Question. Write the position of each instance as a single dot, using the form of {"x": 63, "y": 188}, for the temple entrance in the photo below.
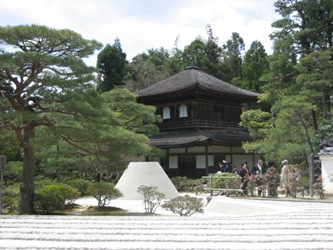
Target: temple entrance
{"x": 186, "y": 166}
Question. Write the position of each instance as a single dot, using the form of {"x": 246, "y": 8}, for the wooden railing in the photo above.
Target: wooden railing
{"x": 196, "y": 124}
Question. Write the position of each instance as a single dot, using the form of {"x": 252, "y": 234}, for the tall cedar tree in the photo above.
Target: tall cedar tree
{"x": 232, "y": 56}
{"x": 309, "y": 22}
{"x": 112, "y": 66}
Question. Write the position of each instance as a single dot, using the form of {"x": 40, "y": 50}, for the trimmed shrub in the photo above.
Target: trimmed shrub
{"x": 230, "y": 180}
{"x": 103, "y": 192}
{"x": 11, "y": 197}
{"x": 79, "y": 184}
{"x": 9, "y": 203}
{"x": 55, "y": 196}
{"x": 151, "y": 198}
{"x": 184, "y": 205}
{"x": 183, "y": 184}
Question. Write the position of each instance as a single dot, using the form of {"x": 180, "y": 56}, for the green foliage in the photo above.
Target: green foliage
{"x": 14, "y": 171}
{"x": 11, "y": 197}
{"x": 9, "y": 203}
{"x": 325, "y": 131}
{"x": 280, "y": 79}
{"x": 80, "y": 184}
{"x": 258, "y": 124}
{"x": 230, "y": 180}
{"x": 149, "y": 68}
{"x": 255, "y": 65}
{"x": 112, "y": 66}
{"x": 103, "y": 192}
{"x": 12, "y": 190}
{"x": 316, "y": 77}
{"x": 206, "y": 55}
{"x": 184, "y": 205}
{"x": 182, "y": 184}
{"x": 44, "y": 68}
{"x": 308, "y": 22}
{"x": 232, "y": 56}
{"x": 151, "y": 198}
{"x": 55, "y": 196}
{"x": 9, "y": 145}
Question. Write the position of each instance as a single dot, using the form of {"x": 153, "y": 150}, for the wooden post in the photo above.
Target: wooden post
{"x": 2, "y": 168}
{"x": 311, "y": 170}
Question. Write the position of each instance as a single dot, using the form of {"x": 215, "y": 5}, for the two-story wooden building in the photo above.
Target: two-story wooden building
{"x": 200, "y": 127}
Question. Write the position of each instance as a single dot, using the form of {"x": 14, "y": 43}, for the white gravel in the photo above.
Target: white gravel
{"x": 226, "y": 224}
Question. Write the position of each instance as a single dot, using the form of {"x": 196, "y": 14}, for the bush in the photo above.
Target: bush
{"x": 12, "y": 191}
{"x": 79, "y": 184}
{"x": 183, "y": 184}
{"x": 229, "y": 182}
{"x": 55, "y": 196}
{"x": 103, "y": 192}
{"x": 184, "y": 205}
{"x": 9, "y": 203}
{"x": 11, "y": 197}
{"x": 151, "y": 198}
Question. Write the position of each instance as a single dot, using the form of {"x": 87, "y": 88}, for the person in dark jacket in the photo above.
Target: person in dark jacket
{"x": 244, "y": 173}
{"x": 259, "y": 169}
{"x": 228, "y": 167}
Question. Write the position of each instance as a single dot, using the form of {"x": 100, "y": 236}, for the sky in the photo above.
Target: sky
{"x": 145, "y": 24}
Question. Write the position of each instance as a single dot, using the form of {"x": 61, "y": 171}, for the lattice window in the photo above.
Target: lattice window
{"x": 166, "y": 113}
{"x": 183, "y": 110}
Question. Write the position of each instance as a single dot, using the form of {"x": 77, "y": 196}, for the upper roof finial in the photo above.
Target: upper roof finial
{"x": 192, "y": 66}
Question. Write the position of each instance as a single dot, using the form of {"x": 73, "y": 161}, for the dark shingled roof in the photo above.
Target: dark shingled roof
{"x": 185, "y": 138}
{"x": 191, "y": 78}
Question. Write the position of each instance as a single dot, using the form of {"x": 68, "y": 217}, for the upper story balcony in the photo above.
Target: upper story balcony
{"x": 196, "y": 124}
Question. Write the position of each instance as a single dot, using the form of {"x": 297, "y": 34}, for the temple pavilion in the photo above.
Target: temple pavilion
{"x": 200, "y": 127}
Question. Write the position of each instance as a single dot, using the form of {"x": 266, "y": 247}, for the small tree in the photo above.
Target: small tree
{"x": 256, "y": 180}
{"x": 103, "y": 192}
{"x": 293, "y": 177}
{"x": 184, "y": 205}
{"x": 272, "y": 181}
{"x": 318, "y": 187}
{"x": 151, "y": 198}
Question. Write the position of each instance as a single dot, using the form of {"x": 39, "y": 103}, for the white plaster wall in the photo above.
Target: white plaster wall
{"x": 327, "y": 170}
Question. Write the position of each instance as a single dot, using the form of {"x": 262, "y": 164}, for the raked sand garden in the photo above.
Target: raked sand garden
{"x": 227, "y": 223}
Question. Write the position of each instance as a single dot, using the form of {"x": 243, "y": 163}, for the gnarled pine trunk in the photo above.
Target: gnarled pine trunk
{"x": 28, "y": 186}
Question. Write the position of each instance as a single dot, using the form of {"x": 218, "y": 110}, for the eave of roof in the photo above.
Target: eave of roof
{"x": 193, "y": 78}
{"x": 326, "y": 151}
{"x": 196, "y": 138}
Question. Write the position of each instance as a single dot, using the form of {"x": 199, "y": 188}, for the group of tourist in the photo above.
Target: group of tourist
{"x": 259, "y": 169}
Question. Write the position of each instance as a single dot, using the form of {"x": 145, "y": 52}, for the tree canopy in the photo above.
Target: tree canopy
{"x": 50, "y": 102}
{"x": 111, "y": 66}
{"x": 298, "y": 85}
